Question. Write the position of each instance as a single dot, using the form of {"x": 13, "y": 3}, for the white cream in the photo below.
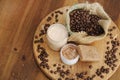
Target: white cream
{"x": 57, "y": 36}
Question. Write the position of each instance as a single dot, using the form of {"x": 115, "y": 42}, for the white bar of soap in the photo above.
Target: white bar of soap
{"x": 88, "y": 53}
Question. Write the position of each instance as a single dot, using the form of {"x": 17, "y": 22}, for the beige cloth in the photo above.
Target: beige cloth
{"x": 94, "y": 8}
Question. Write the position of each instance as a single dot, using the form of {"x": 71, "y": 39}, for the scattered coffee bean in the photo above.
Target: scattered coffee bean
{"x": 58, "y": 69}
{"x": 59, "y": 79}
{"x": 81, "y": 75}
{"x": 15, "y": 49}
{"x": 110, "y": 54}
{"x": 53, "y": 22}
{"x": 101, "y": 76}
{"x": 98, "y": 72}
{"x": 46, "y": 27}
{"x": 90, "y": 66}
{"x": 93, "y": 76}
{"x": 43, "y": 58}
{"x": 52, "y": 14}
{"x": 49, "y": 18}
{"x": 67, "y": 72}
{"x": 62, "y": 74}
{"x": 107, "y": 42}
{"x": 113, "y": 68}
{"x": 114, "y": 65}
{"x": 56, "y": 16}
{"x": 39, "y": 41}
{"x": 59, "y": 64}
{"x": 51, "y": 71}
{"x": 23, "y": 58}
{"x": 81, "y": 20}
{"x": 108, "y": 47}
{"x": 63, "y": 66}
{"x": 111, "y": 37}
{"x": 36, "y": 37}
{"x": 55, "y": 72}
{"x": 67, "y": 79}
{"x": 56, "y": 20}
{"x": 54, "y": 65}
{"x": 110, "y": 34}
{"x": 114, "y": 27}
{"x": 109, "y": 30}
{"x": 101, "y": 71}
{"x": 42, "y": 32}
{"x": 88, "y": 78}
{"x": 59, "y": 12}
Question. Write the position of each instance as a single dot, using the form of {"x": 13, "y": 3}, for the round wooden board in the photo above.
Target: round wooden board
{"x": 50, "y": 63}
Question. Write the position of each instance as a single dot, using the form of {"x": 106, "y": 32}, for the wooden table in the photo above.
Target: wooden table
{"x": 18, "y": 22}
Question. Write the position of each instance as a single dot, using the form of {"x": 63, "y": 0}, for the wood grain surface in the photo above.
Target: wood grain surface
{"x": 52, "y": 65}
{"x": 18, "y": 22}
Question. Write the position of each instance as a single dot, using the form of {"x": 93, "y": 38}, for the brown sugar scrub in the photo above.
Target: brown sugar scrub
{"x": 69, "y": 54}
{"x": 87, "y": 23}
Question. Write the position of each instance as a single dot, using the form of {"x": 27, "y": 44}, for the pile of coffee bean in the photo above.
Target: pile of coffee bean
{"x": 59, "y": 12}
{"x": 63, "y": 72}
{"x": 46, "y": 26}
{"x": 101, "y": 71}
{"x": 82, "y": 20}
{"x": 110, "y": 57}
{"x": 81, "y": 75}
{"x": 43, "y": 57}
{"x": 39, "y": 40}
{"x": 44, "y": 31}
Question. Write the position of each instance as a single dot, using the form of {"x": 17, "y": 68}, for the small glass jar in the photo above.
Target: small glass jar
{"x": 57, "y": 36}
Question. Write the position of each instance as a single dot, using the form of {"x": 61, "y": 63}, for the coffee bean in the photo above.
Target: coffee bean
{"x": 90, "y": 66}
{"x": 113, "y": 68}
{"x": 51, "y": 71}
{"x": 81, "y": 75}
{"x": 59, "y": 12}
{"x": 114, "y": 27}
{"x": 93, "y": 76}
{"x": 49, "y": 18}
{"x": 81, "y": 20}
{"x": 54, "y": 65}
{"x": 42, "y": 32}
{"x": 59, "y": 79}
{"x": 107, "y": 42}
{"x": 36, "y": 37}
{"x": 56, "y": 20}
{"x": 52, "y": 14}
{"x": 109, "y": 30}
{"x": 108, "y": 47}
{"x": 55, "y": 72}
{"x": 63, "y": 66}
{"x": 43, "y": 58}
{"x": 101, "y": 76}
{"x": 23, "y": 57}
{"x": 46, "y": 27}
{"x": 56, "y": 16}
{"x": 15, "y": 49}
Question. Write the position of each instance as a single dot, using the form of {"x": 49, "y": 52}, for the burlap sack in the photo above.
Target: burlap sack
{"x": 94, "y": 8}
